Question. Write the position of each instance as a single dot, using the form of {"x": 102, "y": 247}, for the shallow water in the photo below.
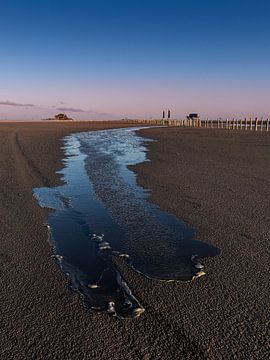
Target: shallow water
{"x": 101, "y": 213}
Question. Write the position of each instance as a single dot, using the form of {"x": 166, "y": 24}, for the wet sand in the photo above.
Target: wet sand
{"x": 215, "y": 180}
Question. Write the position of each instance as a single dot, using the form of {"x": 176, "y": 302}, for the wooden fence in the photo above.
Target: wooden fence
{"x": 256, "y": 124}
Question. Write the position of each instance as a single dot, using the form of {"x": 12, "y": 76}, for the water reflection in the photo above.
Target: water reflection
{"x": 101, "y": 212}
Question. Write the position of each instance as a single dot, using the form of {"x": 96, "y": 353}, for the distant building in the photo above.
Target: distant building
{"x": 193, "y": 116}
{"x": 59, "y": 117}
{"x": 62, "y": 117}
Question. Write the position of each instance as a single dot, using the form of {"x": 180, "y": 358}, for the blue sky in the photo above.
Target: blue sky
{"x": 109, "y": 59}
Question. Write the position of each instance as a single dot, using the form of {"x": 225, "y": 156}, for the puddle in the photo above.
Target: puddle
{"x": 101, "y": 212}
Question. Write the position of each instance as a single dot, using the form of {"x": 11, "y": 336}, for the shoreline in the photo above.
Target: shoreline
{"x": 42, "y": 317}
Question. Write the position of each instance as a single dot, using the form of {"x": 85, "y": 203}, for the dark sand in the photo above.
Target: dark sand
{"x": 215, "y": 180}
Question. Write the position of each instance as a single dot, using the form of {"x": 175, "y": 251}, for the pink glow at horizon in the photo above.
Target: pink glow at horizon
{"x": 116, "y": 101}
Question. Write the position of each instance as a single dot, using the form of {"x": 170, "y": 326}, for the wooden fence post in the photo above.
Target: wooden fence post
{"x": 256, "y": 124}
{"x": 261, "y": 123}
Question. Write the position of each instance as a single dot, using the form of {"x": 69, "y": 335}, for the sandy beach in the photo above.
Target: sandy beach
{"x": 216, "y": 180}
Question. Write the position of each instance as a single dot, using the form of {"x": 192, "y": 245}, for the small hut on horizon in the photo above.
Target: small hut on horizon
{"x": 62, "y": 117}
{"x": 193, "y": 116}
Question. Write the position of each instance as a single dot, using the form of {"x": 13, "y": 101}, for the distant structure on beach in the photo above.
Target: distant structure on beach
{"x": 169, "y": 114}
{"x": 193, "y": 116}
{"x": 60, "y": 117}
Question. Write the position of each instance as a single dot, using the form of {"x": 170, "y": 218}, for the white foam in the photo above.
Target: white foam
{"x": 93, "y": 286}
{"x": 124, "y": 255}
{"x": 111, "y": 307}
{"x": 199, "y": 266}
{"x": 138, "y": 311}
{"x": 58, "y": 257}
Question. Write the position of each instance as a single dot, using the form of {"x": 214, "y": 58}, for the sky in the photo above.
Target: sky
{"x": 110, "y": 59}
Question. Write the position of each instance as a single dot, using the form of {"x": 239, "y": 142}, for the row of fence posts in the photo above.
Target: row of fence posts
{"x": 230, "y": 124}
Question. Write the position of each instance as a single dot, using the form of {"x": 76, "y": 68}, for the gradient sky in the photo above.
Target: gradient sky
{"x": 115, "y": 58}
